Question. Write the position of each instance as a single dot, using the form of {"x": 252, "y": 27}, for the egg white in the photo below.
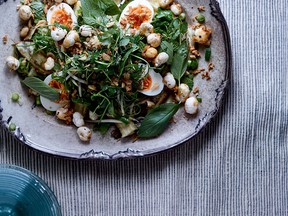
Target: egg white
{"x": 156, "y": 86}
{"x": 67, "y": 9}
{"x": 46, "y": 103}
{"x": 137, "y": 3}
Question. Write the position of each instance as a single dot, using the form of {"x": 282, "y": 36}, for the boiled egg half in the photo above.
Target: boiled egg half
{"x": 136, "y": 13}
{"x": 152, "y": 83}
{"x": 54, "y": 105}
{"x": 62, "y": 14}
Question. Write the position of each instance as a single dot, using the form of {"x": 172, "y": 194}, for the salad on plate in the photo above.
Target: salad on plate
{"x": 100, "y": 64}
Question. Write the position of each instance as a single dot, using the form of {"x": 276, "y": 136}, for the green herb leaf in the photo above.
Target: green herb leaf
{"x": 41, "y": 88}
{"x": 179, "y": 62}
{"x": 157, "y": 119}
{"x": 93, "y": 9}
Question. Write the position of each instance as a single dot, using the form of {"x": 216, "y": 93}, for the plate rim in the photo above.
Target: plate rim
{"x": 131, "y": 153}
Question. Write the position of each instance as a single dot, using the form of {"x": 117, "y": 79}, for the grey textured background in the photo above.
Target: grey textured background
{"x": 236, "y": 166}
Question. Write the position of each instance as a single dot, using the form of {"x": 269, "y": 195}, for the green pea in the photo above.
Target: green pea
{"x": 12, "y": 127}
{"x": 192, "y": 64}
{"x": 200, "y": 18}
{"x": 15, "y": 97}
{"x": 208, "y": 54}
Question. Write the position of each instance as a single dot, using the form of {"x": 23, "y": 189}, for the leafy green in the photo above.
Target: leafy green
{"x": 179, "y": 63}
{"x": 188, "y": 80}
{"x": 95, "y": 11}
{"x": 156, "y": 120}
{"x": 41, "y": 88}
{"x": 38, "y": 10}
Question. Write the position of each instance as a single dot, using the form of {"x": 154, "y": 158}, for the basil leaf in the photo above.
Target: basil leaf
{"x": 157, "y": 119}
{"x": 168, "y": 48}
{"x": 41, "y": 88}
{"x": 179, "y": 62}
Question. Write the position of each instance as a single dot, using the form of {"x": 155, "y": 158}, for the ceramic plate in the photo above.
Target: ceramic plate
{"x": 42, "y": 132}
{"x": 20, "y": 190}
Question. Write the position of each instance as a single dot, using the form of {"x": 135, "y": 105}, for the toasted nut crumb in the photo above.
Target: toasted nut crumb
{"x": 201, "y": 8}
{"x": 5, "y": 39}
{"x": 195, "y": 90}
{"x": 206, "y": 75}
{"x": 211, "y": 66}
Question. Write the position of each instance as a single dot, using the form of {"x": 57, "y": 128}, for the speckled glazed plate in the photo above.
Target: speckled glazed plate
{"x": 42, "y": 132}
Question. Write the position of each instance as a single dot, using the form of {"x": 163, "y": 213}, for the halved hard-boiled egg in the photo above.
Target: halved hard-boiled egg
{"x": 136, "y": 13}
{"x": 54, "y": 105}
{"x": 62, "y": 14}
{"x": 152, "y": 83}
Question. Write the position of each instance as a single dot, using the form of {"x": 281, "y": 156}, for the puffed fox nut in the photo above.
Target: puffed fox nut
{"x": 191, "y": 105}
{"x": 176, "y": 9}
{"x": 49, "y": 64}
{"x": 154, "y": 39}
{"x": 12, "y": 63}
{"x": 165, "y": 3}
{"x": 169, "y": 80}
{"x": 71, "y": 2}
{"x": 161, "y": 59}
{"x": 150, "y": 52}
{"x": 71, "y": 38}
{"x": 86, "y": 30}
{"x": 84, "y": 133}
{"x": 58, "y": 34}
{"x": 78, "y": 119}
{"x": 25, "y": 12}
{"x": 182, "y": 93}
{"x": 146, "y": 29}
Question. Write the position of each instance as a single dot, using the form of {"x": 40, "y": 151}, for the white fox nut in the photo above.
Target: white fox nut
{"x": 78, "y": 119}
{"x": 84, "y": 133}
{"x": 176, "y": 9}
{"x": 58, "y": 34}
{"x": 161, "y": 59}
{"x": 154, "y": 39}
{"x": 71, "y": 2}
{"x": 49, "y": 64}
{"x": 146, "y": 29}
{"x": 169, "y": 80}
{"x": 12, "y": 63}
{"x": 165, "y": 3}
{"x": 71, "y": 38}
{"x": 86, "y": 30}
{"x": 25, "y": 12}
{"x": 182, "y": 93}
{"x": 191, "y": 105}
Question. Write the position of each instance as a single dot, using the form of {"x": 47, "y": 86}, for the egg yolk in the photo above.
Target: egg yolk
{"x": 57, "y": 85}
{"x": 136, "y": 16}
{"x": 147, "y": 82}
{"x": 62, "y": 17}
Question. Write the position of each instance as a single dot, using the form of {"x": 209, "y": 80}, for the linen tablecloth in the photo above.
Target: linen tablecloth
{"x": 236, "y": 166}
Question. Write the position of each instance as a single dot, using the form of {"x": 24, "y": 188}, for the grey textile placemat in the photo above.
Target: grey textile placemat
{"x": 236, "y": 166}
